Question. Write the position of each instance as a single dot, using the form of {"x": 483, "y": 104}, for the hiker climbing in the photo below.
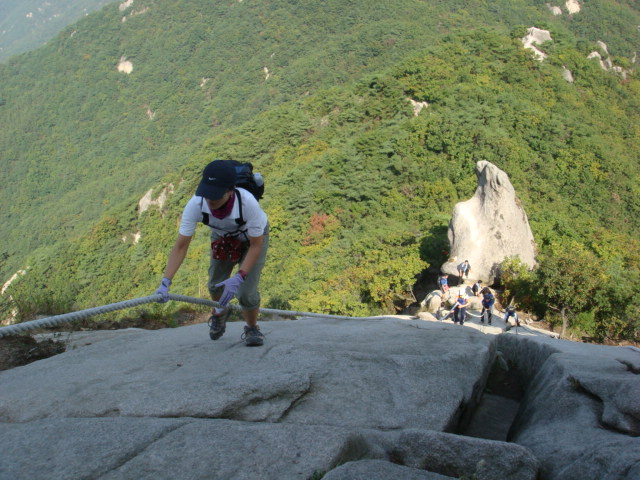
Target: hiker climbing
{"x": 463, "y": 271}
{"x": 443, "y": 283}
{"x": 488, "y": 301}
{"x": 511, "y": 312}
{"x": 476, "y": 288}
{"x": 460, "y": 308}
{"x": 239, "y": 236}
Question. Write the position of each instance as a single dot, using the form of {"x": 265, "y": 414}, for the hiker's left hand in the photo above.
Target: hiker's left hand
{"x": 163, "y": 289}
{"x": 231, "y": 286}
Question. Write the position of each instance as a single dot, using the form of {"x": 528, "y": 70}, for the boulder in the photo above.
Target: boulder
{"x": 581, "y": 411}
{"x": 432, "y": 302}
{"x": 312, "y": 372}
{"x": 489, "y": 227}
{"x": 345, "y": 398}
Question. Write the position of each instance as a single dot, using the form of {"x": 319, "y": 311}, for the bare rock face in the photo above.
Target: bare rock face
{"x": 489, "y": 227}
{"x": 371, "y": 399}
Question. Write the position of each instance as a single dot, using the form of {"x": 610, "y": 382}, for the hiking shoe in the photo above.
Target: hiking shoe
{"x": 252, "y": 336}
{"x": 218, "y": 324}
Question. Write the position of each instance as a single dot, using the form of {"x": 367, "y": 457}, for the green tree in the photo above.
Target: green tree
{"x": 518, "y": 280}
{"x": 567, "y": 278}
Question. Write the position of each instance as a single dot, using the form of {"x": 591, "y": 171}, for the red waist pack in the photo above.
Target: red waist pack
{"x": 227, "y": 248}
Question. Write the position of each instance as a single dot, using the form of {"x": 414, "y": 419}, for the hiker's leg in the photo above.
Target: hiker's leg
{"x": 251, "y": 316}
{"x": 248, "y": 293}
{"x": 219, "y": 271}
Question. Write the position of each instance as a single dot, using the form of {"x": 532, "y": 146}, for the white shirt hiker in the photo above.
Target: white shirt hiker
{"x": 253, "y": 215}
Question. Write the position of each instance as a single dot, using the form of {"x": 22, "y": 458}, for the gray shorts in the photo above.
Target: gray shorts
{"x": 219, "y": 270}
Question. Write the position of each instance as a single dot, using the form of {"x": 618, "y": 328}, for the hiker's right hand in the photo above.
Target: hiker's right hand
{"x": 163, "y": 289}
{"x": 231, "y": 286}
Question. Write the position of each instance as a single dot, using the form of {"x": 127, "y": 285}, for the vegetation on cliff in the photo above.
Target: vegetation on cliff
{"x": 359, "y": 189}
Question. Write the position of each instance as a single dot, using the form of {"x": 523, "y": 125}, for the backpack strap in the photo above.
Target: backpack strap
{"x": 240, "y": 221}
{"x": 205, "y": 215}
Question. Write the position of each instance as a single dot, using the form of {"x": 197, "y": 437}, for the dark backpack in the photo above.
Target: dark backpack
{"x": 245, "y": 178}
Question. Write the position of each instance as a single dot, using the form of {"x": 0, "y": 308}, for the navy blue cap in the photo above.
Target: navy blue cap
{"x": 217, "y": 179}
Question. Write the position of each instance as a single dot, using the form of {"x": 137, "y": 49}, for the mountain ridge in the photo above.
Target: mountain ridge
{"x": 351, "y": 172}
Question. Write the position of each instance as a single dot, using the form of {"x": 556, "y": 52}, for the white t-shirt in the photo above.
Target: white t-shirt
{"x": 253, "y": 215}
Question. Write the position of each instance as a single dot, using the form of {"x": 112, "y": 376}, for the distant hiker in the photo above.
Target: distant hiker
{"x": 444, "y": 284}
{"x": 511, "y": 312}
{"x": 463, "y": 270}
{"x": 239, "y": 236}
{"x": 487, "y": 304}
{"x": 476, "y": 288}
{"x": 460, "y": 309}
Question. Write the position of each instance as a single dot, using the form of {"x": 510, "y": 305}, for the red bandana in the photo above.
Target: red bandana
{"x": 225, "y": 210}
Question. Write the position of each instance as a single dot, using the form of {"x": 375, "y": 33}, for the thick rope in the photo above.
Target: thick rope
{"x": 82, "y": 314}
{"x": 70, "y": 317}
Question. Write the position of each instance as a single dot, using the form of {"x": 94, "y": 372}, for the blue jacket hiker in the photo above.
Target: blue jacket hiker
{"x": 511, "y": 312}
{"x": 444, "y": 283}
{"x": 460, "y": 309}
{"x": 487, "y": 304}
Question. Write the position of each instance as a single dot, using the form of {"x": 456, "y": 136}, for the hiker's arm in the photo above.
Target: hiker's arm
{"x": 176, "y": 257}
{"x": 255, "y": 248}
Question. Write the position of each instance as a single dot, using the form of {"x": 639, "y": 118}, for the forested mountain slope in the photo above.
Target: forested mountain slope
{"x": 76, "y": 127}
{"x": 29, "y": 24}
{"x": 316, "y": 95}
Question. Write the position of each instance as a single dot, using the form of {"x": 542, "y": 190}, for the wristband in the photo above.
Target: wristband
{"x": 243, "y": 274}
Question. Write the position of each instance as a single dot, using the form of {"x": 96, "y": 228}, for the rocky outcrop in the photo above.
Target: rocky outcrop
{"x": 432, "y": 301}
{"x": 604, "y": 59}
{"x": 572, "y": 6}
{"x": 147, "y": 201}
{"x": 581, "y": 412}
{"x": 536, "y": 36}
{"x": 124, "y": 65}
{"x": 489, "y": 227}
{"x": 347, "y": 399}
{"x": 417, "y": 106}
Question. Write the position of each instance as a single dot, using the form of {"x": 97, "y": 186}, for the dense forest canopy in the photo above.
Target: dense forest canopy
{"x": 316, "y": 95}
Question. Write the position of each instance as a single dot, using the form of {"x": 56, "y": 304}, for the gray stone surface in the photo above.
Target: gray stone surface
{"x": 74, "y": 448}
{"x": 489, "y": 227}
{"x": 84, "y": 338}
{"x": 349, "y": 398}
{"x": 309, "y": 372}
{"x": 581, "y": 412}
{"x": 153, "y": 448}
{"x": 458, "y": 455}
{"x": 486, "y": 424}
{"x": 223, "y": 449}
{"x": 379, "y": 470}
